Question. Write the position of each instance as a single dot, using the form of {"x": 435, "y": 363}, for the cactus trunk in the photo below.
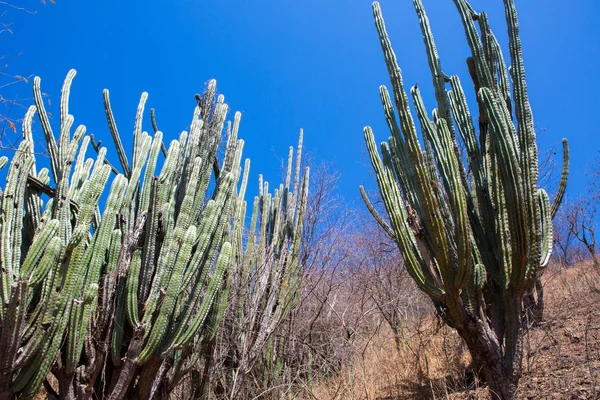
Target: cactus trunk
{"x": 474, "y": 239}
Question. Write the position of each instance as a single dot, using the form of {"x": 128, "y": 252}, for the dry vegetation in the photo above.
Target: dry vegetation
{"x": 561, "y": 357}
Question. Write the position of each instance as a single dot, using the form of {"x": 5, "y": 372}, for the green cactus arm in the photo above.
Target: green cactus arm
{"x": 187, "y": 205}
{"x": 481, "y": 212}
{"x": 150, "y": 168}
{"x": 435, "y": 66}
{"x": 78, "y": 136}
{"x": 132, "y": 288}
{"x": 546, "y": 228}
{"x": 86, "y": 302}
{"x": 91, "y": 195}
{"x": 497, "y": 59}
{"x": 167, "y": 259}
{"x": 564, "y": 176}
{"x": 72, "y": 350}
{"x": 137, "y": 129}
{"x": 218, "y": 309}
{"x": 141, "y": 153}
{"x": 46, "y": 128}
{"x": 76, "y": 273}
{"x": 13, "y": 325}
{"x": 209, "y": 242}
{"x": 50, "y": 258}
{"x": 404, "y": 168}
{"x": 510, "y": 173}
{"x": 425, "y": 192}
{"x": 107, "y": 306}
{"x": 207, "y": 230}
{"x": 526, "y": 131}
{"x": 438, "y": 143}
{"x": 38, "y": 247}
{"x": 39, "y": 369}
{"x": 104, "y": 233}
{"x": 168, "y": 170}
{"x": 458, "y": 202}
{"x": 28, "y": 135}
{"x": 164, "y": 270}
{"x": 375, "y": 214}
{"x": 207, "y": 301}
{"x": 397, "y": 213}
{"x": 462, "y": 115}
{"x": 118, "y": 332}
{"x": 244, "y": 184}
{"x": 66, "y": 120}
{"x": 298, "y": 161}
{"x": 149, "y": 248}
{"x": 12, "y": 219}
{"x": 160, "y": 326}
{"x": 229, "y": 159}
{"x": 484, "y": 75}
{"x": 193, "y": 148}
{"x": 299, "y": 222}
{"x": 112, "y": 125}
{"x": 82, "y": 170}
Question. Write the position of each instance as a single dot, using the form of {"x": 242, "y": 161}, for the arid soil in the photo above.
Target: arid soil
{"x": 561, "y": 355}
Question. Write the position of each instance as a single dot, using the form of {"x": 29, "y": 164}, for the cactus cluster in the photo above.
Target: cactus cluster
{"x": 464, "y": 207}
{"x": 115, "y": 293}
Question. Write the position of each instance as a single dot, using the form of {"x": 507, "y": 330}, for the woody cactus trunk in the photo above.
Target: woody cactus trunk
{"x": 474, "y": 230}
{"x": 115, "y": 303}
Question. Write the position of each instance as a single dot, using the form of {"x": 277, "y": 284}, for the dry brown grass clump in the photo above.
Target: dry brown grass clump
{"x": 561, "y": 355}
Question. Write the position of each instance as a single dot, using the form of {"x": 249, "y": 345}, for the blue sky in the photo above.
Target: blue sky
{"x": 306, "y": 64}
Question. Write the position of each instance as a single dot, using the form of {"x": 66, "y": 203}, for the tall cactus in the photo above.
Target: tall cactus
{"x": 114, "y": 303}
{"x": 473, "y": 227}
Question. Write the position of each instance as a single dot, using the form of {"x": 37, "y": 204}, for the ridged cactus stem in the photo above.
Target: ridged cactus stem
{"x": 127, "y": 295}
{"x": 473, "y": 245}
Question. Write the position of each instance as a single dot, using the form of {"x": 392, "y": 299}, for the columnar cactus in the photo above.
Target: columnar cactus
{"x": 473, "y": 238}
{"x": 114, "y": 303}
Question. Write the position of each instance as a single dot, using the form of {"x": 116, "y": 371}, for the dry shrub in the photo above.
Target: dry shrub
{"x": 561, "y": 358}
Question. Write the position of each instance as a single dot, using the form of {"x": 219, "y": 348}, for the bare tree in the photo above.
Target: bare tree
{"x": 581, "y": 216}
{"x": 581, "y": 221}
{"x": 12, "y": 103}
{"x": 568, "y": 249}
{"x": 385, "y": 278}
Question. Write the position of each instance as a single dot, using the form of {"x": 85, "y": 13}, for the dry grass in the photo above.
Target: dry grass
{"x": 561, "y": 356}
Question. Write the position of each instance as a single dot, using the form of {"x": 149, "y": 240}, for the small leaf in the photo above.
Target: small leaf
{"x": 12, "y": 126}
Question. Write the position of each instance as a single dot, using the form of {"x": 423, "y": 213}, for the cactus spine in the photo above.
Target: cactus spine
{"x": 473, "y": 239}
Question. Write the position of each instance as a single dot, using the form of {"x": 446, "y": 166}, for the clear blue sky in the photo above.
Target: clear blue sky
{"x": 292, "y": 64}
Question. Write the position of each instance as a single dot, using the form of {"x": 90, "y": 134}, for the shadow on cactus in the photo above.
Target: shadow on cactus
{"x": 475, "y": 231}
{"x": 118, "y": 303}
